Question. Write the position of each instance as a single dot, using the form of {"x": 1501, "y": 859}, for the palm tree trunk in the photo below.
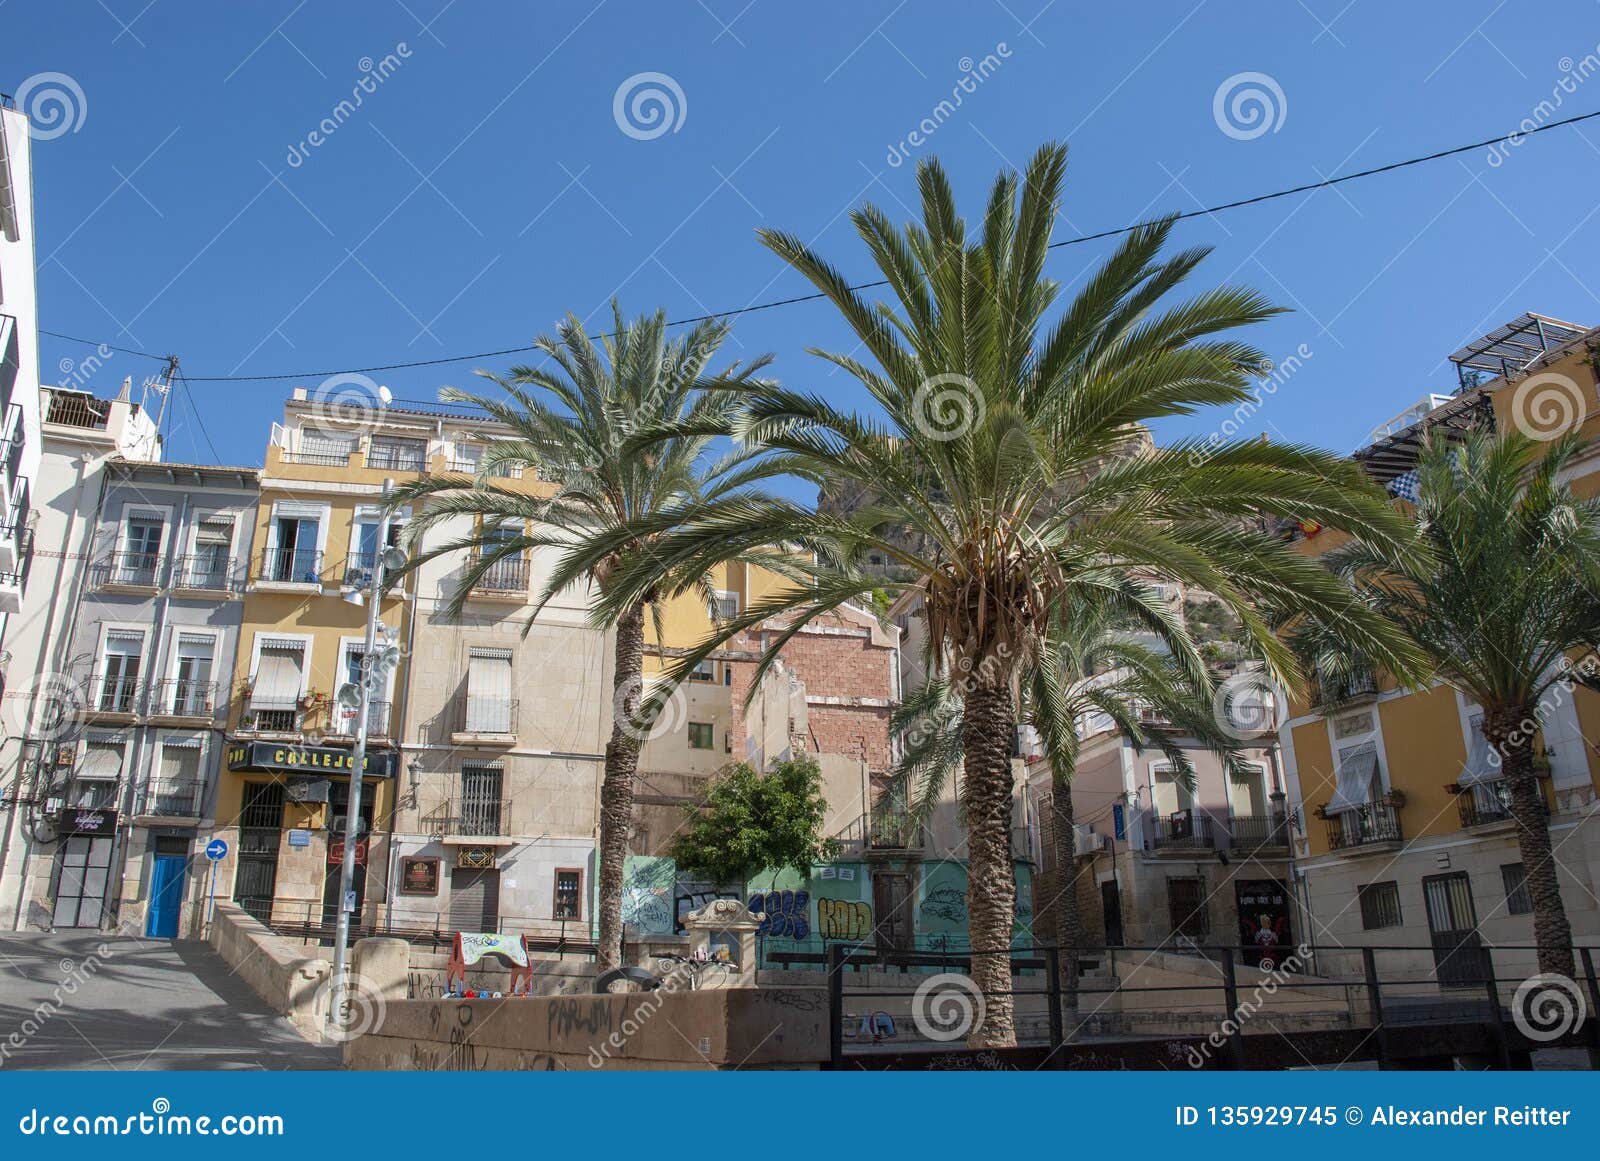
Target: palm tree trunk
{"x": 1552, "y": 934}
{"x": 989, "y": 725}
{"x": 1068, "y": 914}
{"x": 616, "y": 788}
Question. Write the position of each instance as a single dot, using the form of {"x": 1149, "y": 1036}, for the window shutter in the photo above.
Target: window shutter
{"x": 1481, "y": 759}
{"x": 277, "y": 676}
{"x": 489, "y": 691}
{"x": 1358, "y": 768}
{"x": 180, "y": 762}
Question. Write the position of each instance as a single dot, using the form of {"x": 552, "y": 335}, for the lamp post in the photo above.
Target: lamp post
{"x": 373, "y": 671}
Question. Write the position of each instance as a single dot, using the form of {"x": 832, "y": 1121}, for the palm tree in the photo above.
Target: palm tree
{"x": 601, "y": 398}
{"x": 1116, "y": 652}
{"x": 1507, "y": 591}
{"x": 998, "y": 474}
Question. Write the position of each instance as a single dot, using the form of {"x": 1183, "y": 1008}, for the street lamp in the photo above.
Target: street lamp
{"x": 375, "y": 668}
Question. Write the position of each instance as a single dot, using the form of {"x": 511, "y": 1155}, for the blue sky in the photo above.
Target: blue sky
{"x": 485, "y": 186}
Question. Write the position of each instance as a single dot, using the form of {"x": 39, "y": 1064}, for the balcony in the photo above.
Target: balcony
{"x": 485, "y": 721}
{"x": 291, "y": 569}
{"x": 476, "y": 821}
{"x": 14, "y": 529}
{"x": 1183, "y": 830}
{"x": 894, "y": 830}
{"x": 1486, "y": 806}
{"x": 504, "y": 579}
{"x": 389, "y": 458}
{"x": 358, "y": 572}
{"x": 112, "y": 696}
{"x": 316, "y": 459}
{"x": 269, "y": 719}
{"x": 345, "y": 720}
{"x": 129, "y": 570}
{"x": 14, "y": 579}
{"x": 185, "y": 698}
{"x": 172, "y": 800}
{"x": 1371, "y": 827}
{"x": 207, "y": 574}
{"x": 1248, "y": 833}
{"x": 1349, "y": 690}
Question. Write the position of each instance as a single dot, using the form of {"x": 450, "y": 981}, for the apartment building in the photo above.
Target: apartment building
{"x": 151, "y": 650}
{"x": 1409, "y": 842}
{"x": 285, "y": 787}
{"x": 506, "y": 726}
{"x": 1171, "y": 862}
{"x": 49, "y": 850}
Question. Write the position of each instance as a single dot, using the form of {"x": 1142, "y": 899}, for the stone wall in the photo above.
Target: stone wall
{"x": 289, "y": 980}
{"x": 781, "y": 1028}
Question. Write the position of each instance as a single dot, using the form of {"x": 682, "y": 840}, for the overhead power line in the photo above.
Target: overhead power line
{"x": 1077, "y": 240}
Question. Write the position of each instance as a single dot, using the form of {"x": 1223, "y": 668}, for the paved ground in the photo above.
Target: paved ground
{"x": 144, "y": 1004}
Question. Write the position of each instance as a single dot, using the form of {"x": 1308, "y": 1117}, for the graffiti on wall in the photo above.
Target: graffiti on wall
{"x": 784, "y": 914}
{"x": 948, "y": 903}
{"x": 646, "y": 895}
{"x": 691, "y": 896}
{"x": 842, "y": 919}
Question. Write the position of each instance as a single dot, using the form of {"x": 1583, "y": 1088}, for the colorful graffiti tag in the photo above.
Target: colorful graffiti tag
{"x": 842, "y": 919}
{"x": 784, "y": 914}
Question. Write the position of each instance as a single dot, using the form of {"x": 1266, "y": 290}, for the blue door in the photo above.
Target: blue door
{"x": 166, "y": 896}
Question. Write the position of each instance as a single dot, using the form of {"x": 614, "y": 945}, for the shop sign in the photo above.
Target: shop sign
{"x": 73, "y": 820}
{"x": 419, "y": 876}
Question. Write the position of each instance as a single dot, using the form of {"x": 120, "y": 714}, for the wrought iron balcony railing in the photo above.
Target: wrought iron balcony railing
{"x": 1181, "y": 830}
{"x": 210, "y": 573}
{"x": 510, "y": 575}
{"x": 183, "y": 697}
{"x": 1251, "y": 832}
{"x": 345, "y": 720}
{"x": 111, "y": 693}
{"x": 142, "y": 569}
{"x": 1486, "y": 803}
{"x": 173, "y": 799}
{"x": 470, "y": 818}
{"x": 894, "y": 830}
{"x": 294, "y": 566}
{"x": 1366, "y": 825}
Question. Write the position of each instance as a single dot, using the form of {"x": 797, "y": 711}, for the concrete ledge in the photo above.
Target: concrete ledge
{"x": 767, "y": 1028}
{"x": 276, "y": 969}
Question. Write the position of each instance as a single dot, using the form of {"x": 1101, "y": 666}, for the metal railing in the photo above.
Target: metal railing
{"x": 129, "y": 568}
{"x": 487, "y": 715}
{"x": 172, "y": 799}
{"x": 205, "y": 572}
{"x": 113, "y": 693}
{"x": 1347, "y": 689}
{"x": 1380, "y": 1004}
{"x": 1182, "y": 830}
{"x": 397, "y": 459}
{"x": 299, "y": 566}
{"x": 311, "y": 921}
{"x": 894, "y": 830}
{"x": 315, "y": 459}
{"x": 1250, "y": 832}
{"x": 18, "y": 576}
{"x": 269, "y": 719}
{"x": 470, "y": 817}
{"x": 183, "y": 697}
{"x": 1370, "y": 823}
{"x": 510, "y": 575}
{"x": 1485, "y": 803}
{"x": 344, "y": 720}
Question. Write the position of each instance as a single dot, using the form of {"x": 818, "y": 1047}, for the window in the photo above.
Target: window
{"x": 295, "y": 558}
{"x": 176, "y": 792}
{"x": 279, "y": 682}
{"x": 331, "y": 449}
{"x": 702, "y": 736}
{"x": 364, "y": 548}
{"x": 481, "y": 799}
{"x": 1380, "y": 905}
{"x": 1358, "y": 778}
{"x": 509, "y": 573}
{"x": 213, "y": 552}
{"x": 94, "y": 785}
{"x": 1247, "y": 792}
{"x": 1514, "y": 877}
{"x": 397, "y": 454}
{"x": 192, "y": 688}
{"x": 488, "y": 708}
{"x": 119, "y": 670}
{"x": 141, "y": 549}
{"x": 569, "y": 894}
{"x": 705, "y": 671}
{"x": 1168, "y": 794}
{"x": 725, "y": 607}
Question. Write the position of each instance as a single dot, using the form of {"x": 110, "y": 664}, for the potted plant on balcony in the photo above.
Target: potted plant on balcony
{"x": 1393, "y": 797}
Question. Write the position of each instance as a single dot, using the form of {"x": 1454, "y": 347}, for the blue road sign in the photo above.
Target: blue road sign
{"x": 216, "y": 850}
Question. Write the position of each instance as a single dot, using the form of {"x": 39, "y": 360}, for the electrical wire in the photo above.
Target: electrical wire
{"x": 1077, "y": 240}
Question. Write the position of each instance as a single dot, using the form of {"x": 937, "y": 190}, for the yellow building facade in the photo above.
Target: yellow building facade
{"x": 1407, "y": 840}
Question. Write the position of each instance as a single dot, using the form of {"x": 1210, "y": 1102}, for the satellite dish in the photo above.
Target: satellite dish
{"x": 385, "y": 396}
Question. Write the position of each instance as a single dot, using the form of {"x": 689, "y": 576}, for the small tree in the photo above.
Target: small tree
{"x": 752, "y": 822}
